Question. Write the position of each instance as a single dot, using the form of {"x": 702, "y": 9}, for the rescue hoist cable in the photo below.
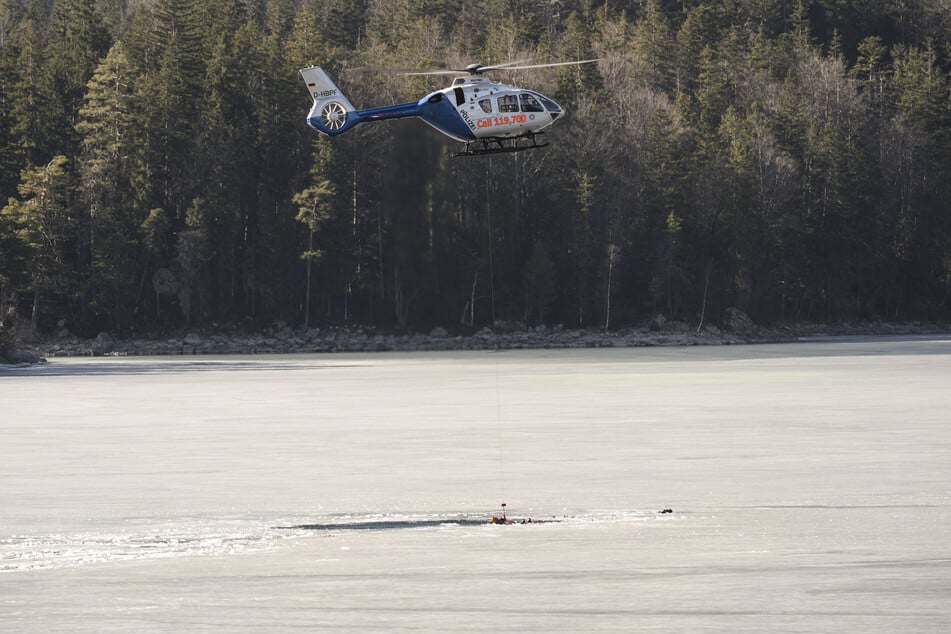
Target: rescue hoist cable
{"x": 498, "y": 415}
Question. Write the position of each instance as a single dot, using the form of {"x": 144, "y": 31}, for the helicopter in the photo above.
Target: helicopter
{"x": 489, "y": 118}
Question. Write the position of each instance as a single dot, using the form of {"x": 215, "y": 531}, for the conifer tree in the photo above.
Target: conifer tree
{"x": 653, "y": 49}
{"x": 42, "y": 223}
{"x": 112, "y": 210}
{"x": 32, "y": 91}
{"x": 314, "y": 208}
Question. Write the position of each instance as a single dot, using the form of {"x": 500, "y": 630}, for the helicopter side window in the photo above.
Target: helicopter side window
{"x": 529, "y": 103}
{"x": 486, "y": 105}
{"x": 508, "y": 103}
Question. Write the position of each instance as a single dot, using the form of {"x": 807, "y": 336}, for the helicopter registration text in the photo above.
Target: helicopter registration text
{"x": 490, "y": 122}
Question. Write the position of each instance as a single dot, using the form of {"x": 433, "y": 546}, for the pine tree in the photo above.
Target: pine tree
{"x": 191, "y": 256}
{"x": 42, "y": 223}
{"x": 580, "y": 81}
{"x": 653, "y": 49}
{"x": 230, "y": 155}
{"x": 75, "y": 43}
{"x": 168, "y": 94}
{"x": 32, "y": 104}
{"x": 315, "y": 203}
{"x": 113, "y": 211}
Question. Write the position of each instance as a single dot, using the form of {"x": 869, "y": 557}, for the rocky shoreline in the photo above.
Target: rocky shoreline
{"x": 282, "y": 339}
{"x": 317, "y": 340}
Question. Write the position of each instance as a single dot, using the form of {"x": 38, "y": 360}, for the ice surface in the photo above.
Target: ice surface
{"x": 810, "y": 486}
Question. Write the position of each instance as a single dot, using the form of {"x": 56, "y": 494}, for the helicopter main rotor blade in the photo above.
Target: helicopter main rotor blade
{"x": 472, "y": 69}
{"x": 503, "y": 65}
{"x": 479, "y": 69}
{"x": 584, "y": 61}
{"x": 433, "y": 72}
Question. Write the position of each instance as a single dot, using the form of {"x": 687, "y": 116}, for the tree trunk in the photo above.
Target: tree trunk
{"x": 34, "y": 314}
{"x": 310, "y": 250}
{"x": 703, "y": 304}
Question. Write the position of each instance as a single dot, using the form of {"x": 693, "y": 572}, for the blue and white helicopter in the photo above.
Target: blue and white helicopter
{"x": 489, "y": 118}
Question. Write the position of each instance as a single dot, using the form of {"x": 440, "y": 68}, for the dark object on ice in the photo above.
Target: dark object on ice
{"x": 504, "y": 520}
{"x": 501, "y": 520}
{"x": 387, "y": 524}
{"x": 666, "y": 511}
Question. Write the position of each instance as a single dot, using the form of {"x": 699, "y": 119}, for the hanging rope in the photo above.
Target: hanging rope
{"x": 498, "y": 413}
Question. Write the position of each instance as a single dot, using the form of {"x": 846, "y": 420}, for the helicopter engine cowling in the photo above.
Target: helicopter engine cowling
{"x": 437, "y": 110}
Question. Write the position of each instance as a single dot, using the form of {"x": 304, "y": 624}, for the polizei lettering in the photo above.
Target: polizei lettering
{"x": 465, "y": 117}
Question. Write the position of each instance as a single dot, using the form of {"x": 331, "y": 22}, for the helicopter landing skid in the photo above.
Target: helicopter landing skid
{"x": 499, "y": 145}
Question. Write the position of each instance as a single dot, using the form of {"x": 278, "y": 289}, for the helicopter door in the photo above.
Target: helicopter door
{"x": 460, "y": 96}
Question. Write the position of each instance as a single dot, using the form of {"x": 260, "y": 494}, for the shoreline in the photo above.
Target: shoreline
{"x": 507, "y": 336}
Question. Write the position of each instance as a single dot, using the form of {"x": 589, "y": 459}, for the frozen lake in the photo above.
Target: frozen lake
{"x": 810, "y": 486}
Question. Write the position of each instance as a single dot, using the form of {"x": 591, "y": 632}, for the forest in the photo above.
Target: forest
{"x": 788, "y": 158}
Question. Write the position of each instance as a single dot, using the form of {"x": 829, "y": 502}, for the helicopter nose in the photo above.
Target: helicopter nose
{"x": 553, "y": 108}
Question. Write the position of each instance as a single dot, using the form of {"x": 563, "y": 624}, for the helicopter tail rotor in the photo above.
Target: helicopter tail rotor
{"x": 334, "y": 115}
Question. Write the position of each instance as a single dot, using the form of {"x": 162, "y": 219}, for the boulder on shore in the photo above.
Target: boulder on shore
{"x": 737, "y": 321}
{"x": 192, "y": 339}
{"x": 102, "y": 344}
{"x": 17, "y": 356}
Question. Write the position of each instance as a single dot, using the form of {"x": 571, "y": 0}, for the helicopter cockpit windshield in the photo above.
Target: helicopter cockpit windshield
{"x": 550, "y": 106}
{"x": 530, "y": 103}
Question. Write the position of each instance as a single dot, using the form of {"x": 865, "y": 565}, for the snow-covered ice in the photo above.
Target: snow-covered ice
{"x": 810, "y": 486}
